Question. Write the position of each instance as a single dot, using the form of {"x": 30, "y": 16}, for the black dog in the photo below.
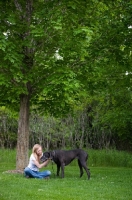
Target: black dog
{"x": 63, "y": 158}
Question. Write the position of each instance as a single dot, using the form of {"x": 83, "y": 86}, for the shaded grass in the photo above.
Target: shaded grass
{"x": 111, "y": 158}
{"x": 106, "y": 183}
{"x": 103, "y": 158}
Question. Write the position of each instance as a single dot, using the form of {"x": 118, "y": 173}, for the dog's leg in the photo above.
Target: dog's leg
{"x": 87, "y": 171}
{"x": 83, "y": 164}
{"x": 62, "y": 170}
{"x": 58, "y": 169}
{"x": 81, "y": 169}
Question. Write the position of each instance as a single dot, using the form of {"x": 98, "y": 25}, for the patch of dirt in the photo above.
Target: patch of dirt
{"x": 14, "y": 171}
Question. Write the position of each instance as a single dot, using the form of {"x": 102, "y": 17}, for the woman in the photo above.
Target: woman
{"x": 32, "y": 170}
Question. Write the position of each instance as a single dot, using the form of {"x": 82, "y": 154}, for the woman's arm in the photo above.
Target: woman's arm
{"x": 44, "y": 164}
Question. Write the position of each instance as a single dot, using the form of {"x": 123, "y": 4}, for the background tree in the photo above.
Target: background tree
{"x": 108, "y": 72}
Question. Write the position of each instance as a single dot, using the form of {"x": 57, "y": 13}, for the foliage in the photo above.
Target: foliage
{"x": 109, "y": 60}
{"x": 83, "y": 130}
{"x": 36, "y": 60}
{"x": 8, "y": 128}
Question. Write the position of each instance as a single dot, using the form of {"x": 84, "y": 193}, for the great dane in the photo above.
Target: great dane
{"x": 65, "y": 157}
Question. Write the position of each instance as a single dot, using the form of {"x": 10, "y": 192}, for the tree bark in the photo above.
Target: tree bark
{"x": 25, "y": 13}
{"x": 23, "y": 133}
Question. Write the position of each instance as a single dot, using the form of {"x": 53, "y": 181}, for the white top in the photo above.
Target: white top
{"x": 31, "y": 164}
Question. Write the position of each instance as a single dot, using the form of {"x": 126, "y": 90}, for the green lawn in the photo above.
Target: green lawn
{"x": 106, "y": 183}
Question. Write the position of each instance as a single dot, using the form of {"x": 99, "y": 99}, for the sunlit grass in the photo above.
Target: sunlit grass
{"x": 106, "y": 183}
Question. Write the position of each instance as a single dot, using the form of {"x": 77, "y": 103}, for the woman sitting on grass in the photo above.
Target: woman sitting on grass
{"x": 32, "y": 170}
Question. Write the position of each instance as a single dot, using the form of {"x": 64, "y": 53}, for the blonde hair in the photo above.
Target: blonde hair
{"x": 34, "y": 150}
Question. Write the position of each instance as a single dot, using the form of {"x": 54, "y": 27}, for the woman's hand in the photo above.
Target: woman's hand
{"x": 44, "y": 164}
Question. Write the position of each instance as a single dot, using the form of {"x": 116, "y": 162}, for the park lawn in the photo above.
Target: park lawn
{"x": 105, "y": 184}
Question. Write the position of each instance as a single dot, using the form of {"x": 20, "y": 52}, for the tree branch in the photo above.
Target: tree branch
{"x": 18, "y": 6}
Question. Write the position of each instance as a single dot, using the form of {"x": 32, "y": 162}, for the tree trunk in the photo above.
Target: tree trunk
{"x": 23, "y": 133}
{"x": 23, "y": 125}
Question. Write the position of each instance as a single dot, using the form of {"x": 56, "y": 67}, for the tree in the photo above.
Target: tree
{"x": 111, "y": 78}
{"x": 41, "y": 42}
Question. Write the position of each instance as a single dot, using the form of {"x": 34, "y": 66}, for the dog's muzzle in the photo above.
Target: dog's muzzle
{"x": 43, "y": 158}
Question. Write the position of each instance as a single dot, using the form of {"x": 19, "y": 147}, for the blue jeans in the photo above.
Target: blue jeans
{"x": 34, "y": 174}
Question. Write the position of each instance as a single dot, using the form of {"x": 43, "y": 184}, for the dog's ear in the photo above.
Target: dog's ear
{"x": 46, "y": 154}
{"x": 51, "y": 155}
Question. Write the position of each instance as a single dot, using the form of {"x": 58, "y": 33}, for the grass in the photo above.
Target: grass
{"x": 109, "y": 158}
{"x": 106, "y": 183}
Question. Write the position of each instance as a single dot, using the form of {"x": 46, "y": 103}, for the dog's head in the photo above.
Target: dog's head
{"x": 46, "y": 155}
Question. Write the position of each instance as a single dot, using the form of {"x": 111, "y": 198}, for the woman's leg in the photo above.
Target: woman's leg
{"x": 45, "y": 173}
{"x": 32, "y": 174}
